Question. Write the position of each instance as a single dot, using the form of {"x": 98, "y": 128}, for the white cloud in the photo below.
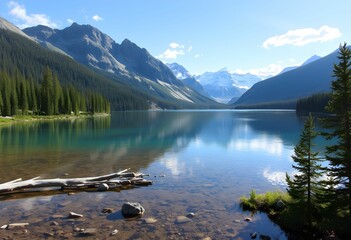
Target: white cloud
{"x": 190, "y": 48}
{"x": 174, "y": 50}
{"x": 303, "y": 36}
{"x": 19, "y": 11}
{"x": 97, "y": 18}
{"x": 70, "y": 20}
{"x": 264, "y": 72}
{"x": 196, "y": 55}
{"x": 175, "y": 45}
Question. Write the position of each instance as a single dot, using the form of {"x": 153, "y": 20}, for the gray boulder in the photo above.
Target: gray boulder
{"x": 132, "y": 210}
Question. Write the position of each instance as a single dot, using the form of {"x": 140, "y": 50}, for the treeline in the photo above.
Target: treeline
{"x": 17, "y": 52}
{"x": 20, "y": 96}
{"x": 315, "y": 103}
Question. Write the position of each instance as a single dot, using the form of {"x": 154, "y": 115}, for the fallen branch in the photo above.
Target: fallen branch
{"x": 101, "y": 183}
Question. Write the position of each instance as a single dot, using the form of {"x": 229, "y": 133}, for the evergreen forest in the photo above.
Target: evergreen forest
{"x": 21, "y": 96}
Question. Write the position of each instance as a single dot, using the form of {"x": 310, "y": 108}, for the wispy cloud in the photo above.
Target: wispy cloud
{"x": 174, "y": 50}
{"x": 97, "y": 18}
{"x": 303, "y": 36}
{"x": 70, "y": 20}
{"x": 264, "y": 72}
{"x": 20, "y": 12}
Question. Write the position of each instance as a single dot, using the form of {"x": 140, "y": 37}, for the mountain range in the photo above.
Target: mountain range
{"x": 132, "y": 65}
{"x": 286, "y": 88}
{"x": 127, "y": 71}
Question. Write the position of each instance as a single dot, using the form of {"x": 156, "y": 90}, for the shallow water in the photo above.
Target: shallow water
{"x": 209, "y": 158}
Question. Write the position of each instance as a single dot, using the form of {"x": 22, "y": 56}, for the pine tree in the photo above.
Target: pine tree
{"x": 304, "y": 186}
{"x": 57, "y": 90}
{"x": 339, "y": 129}
{"x": 23, "y": 98}
{"x": 1, "y": 102}
{"x": 47, "y": 93}
{"x": 13, "y": 102}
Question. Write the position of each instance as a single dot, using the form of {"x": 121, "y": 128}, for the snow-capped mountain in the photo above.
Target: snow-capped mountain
{"x": 188, "y": 80}
{"x": 132, "y": 65}
{"x": 179, "y": 71}
{"x": 224, "y": 85}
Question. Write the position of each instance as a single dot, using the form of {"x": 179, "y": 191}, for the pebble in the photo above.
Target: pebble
{"x": 88, "y": 232}
{"x": 183, "y": 219}
{"x": 107, "y": 210}
{"x": 206, "y": 238}
{"x": 74, "y": 215}
{"x": 248, "y": 219}
{"x": 57, "y": 216}
{"x": 190, "y": 215}
{"x": 54, "y": 223}
{"x": 3, "y": 227}
{"x": 150, "y": 220}
{"x": 114, "y": 232}
{"x": 103, "y": 187}
{"x": 253, "y": 235}
{"x": 237, "y": 221}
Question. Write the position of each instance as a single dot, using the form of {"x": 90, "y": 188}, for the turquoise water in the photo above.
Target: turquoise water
{"x": 209, "y": 158}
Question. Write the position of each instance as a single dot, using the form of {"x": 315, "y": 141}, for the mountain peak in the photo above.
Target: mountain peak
{"x": 4, "y": 24}
{"x": 311, "y": 59}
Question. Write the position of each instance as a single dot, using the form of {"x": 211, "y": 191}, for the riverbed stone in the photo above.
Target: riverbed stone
{"x": 74, "y": 215}
{"x": 130, "y": 209}
{"x": 183, "y": 219}
{"x": 103, "y": 187}
{"x": 107, "y": 210}
{"x": 88, "y": 232}
{"x": 190, "y": 215}
{"x": 150, "y": 220}
{"x": 114, "y": 232}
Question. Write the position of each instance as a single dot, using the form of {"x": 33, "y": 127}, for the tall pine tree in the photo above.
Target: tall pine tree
{"x": 47, "y": 93}
{"x": 339, "y": 129}
{"x": 304, "y": 187}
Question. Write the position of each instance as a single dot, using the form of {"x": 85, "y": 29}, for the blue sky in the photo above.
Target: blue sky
{"x": 260, "y": 37}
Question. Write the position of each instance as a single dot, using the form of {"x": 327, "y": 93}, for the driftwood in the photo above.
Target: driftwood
{"x": 101, "y": 183}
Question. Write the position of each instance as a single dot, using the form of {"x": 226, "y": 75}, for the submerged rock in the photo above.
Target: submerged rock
{"x": 130, "y": 210}
{"x": 74, "y": 215}
{"x": 114, "y": 232}
{"x": 253, "y": 235}
{"x": 107, "y": 210}
{"x": 183, "y": 219}
{"x": 88, "y": 232}
{"x": 103, "y": 187}
{"x": 150, "y": 220}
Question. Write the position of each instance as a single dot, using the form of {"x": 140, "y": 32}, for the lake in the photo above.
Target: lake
{"x": 209, "y": 159}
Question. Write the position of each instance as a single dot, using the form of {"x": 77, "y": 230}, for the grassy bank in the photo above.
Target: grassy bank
{"x": 30, "y": 118}
{"x": 292, "y": 217}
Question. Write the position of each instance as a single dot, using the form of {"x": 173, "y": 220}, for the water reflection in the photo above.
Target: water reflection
{"x": 210, "y": 159}
{"x": 137, "y": 139}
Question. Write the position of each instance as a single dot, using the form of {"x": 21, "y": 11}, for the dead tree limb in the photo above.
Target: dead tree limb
{"x": 112, "y": 180}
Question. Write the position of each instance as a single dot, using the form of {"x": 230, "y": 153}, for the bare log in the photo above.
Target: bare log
{"x": 124, "y": 178}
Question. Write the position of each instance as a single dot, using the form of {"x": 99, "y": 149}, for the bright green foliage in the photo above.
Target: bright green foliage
{"x": 304, "y": 187}
{"x": 339, "y": 125}
{"x": 266, "y": 202}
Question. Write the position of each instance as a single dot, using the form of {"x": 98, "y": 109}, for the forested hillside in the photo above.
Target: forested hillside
{"x": 20, "y": 96}
{"x": 19, "y": 55}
